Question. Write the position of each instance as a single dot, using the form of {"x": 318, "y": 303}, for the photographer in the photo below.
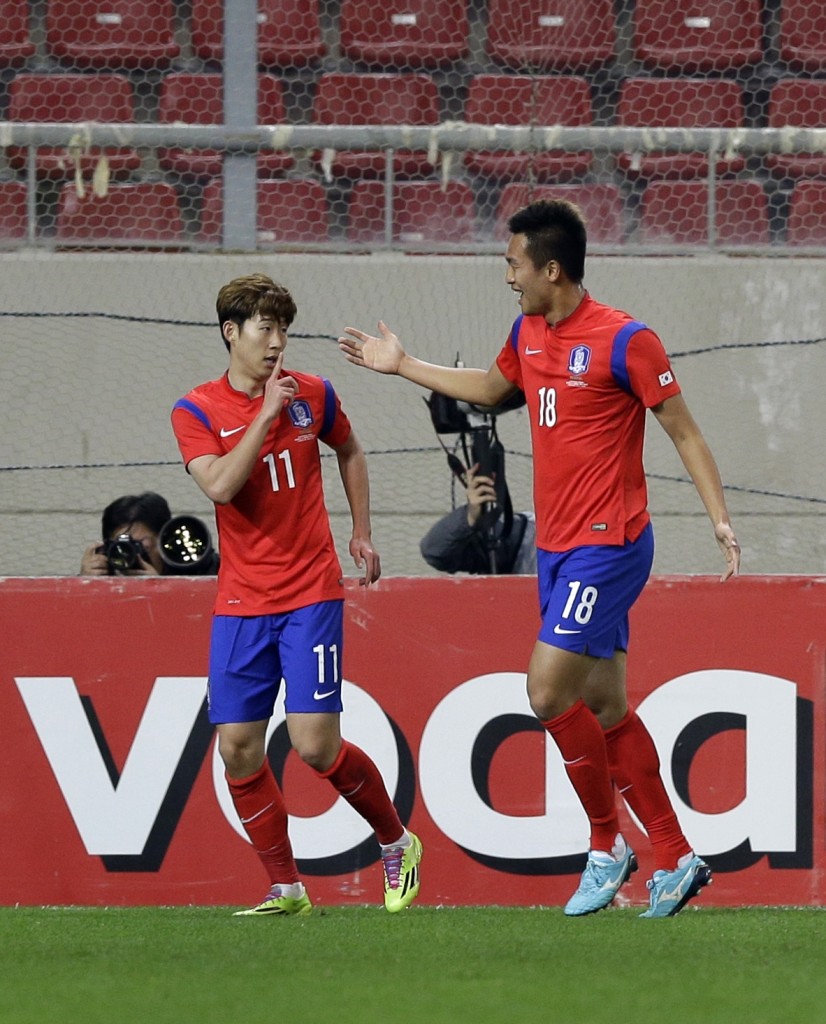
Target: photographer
{"x": 460, "y": 541}
{"x": 141, "y": 538}
{"x": 485, "y": 537}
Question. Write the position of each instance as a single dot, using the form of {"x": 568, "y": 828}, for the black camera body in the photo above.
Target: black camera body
{"x": 123, "y": 554}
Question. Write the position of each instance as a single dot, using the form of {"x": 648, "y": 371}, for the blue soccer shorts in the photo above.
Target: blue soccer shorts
{"x": 250, "y": 656}
{"x": 585, "y": 594}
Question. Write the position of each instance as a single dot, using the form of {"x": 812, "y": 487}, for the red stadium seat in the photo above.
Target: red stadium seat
{"x": 399, "y": 33}
{"x": 601, "y": 207}
{"x": 423, "y": 212}
{"x": 526, "y": 99}
{"x": 679, "y": 103}
{"x": 803, "y": 35}
{"x": 376, "y": 99}
{"x": 13, "y": 210}
{"x": 289, "y": 33}
{"x": 676, "y": 213}
{"x": 700, "y": 35}
{"x": 16, "y": 44}
{"x": 141, "y": 214}
{"x": 111, "y": 33}
{"x": 293, "y": 211}
{"x": 555, "y": 35}
{"x": 68, "y": 98}
{"x": 199, "y": 99}
{"x": 807, "y": 214}
{"x": 797, "y": 103}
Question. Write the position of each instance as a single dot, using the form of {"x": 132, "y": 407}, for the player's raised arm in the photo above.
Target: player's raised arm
{"x": 384, "y": 353}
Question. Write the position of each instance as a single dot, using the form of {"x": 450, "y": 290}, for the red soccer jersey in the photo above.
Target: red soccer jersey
{"x": 587, "y": 383}
{"x": 277, "y": 550}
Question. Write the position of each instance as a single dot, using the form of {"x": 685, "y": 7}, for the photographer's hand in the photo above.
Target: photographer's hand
{"x": 94, "y": 562}
{"x": 480, "y": 492}
{"x": 145, "y": 569}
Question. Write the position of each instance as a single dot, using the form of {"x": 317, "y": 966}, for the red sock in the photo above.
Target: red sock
{"x": 358, "y": 780}
{"x": 581, "y": 742}
{"x": 635, "y": 768}
{"x": 261, "y": 809}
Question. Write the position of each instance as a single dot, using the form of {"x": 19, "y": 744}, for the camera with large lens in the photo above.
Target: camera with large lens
{"x": 123, "y": 554}
{"x": 186, "y": 547}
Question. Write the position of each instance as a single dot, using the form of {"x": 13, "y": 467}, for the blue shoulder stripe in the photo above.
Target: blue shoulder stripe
{"x": 515, "y": 333}
{"x": 619, "y": 353}
{"x": 190, "y": 406}
{"x": 329, "y": 417}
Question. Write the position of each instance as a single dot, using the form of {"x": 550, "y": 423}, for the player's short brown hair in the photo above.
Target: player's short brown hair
{"x": 252, "y": 295}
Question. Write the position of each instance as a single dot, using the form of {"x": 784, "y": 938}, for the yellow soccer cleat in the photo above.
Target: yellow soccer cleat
{"x": 401, "y": 874}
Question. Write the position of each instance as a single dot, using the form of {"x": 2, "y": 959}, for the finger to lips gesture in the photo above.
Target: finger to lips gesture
{"x": 279, "y": 391}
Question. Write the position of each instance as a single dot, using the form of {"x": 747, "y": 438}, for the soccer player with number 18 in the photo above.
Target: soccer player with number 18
{"x": 589, "y": 373}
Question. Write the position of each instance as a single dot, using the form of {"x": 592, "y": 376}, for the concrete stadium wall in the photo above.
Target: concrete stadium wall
{"x": 97, "y": 392}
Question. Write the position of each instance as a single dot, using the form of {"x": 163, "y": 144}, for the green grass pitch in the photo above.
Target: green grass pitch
{"x": 360, "y": 965}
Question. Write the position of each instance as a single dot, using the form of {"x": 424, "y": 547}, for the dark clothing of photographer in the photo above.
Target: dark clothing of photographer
{"x": 454, "y": 545}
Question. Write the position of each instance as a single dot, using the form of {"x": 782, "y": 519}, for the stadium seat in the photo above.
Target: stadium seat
{"x": 701, "y": 35}
{"x": 797, "y": 103}
{"x": 67, "y": 98}
{"x": 565, "y": 35}
{"x": 111, "y": 33}
{"x": 16, "y": 44}
{"x": 526, "y": 99}
{"x": 676, "y": 213}
{"x": 423, "y": 212}
{"x": 293, "y": 211}
{"x": 601, "y": 206}
{"x": 807, "y": 214}
{"x": 389, "y": 98}
{"x": 803, "y": 35}
{"x": 404, "y": 33}
{"x": 198, "y": 99}
{"x": 140, "y": 214}
{"x": 289, "y": 33}
{"x": 13, "y": 212}
{"x": 676, "y": 103}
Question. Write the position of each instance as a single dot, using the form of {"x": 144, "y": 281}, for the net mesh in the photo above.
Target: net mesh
{"x": 113, "y": 253}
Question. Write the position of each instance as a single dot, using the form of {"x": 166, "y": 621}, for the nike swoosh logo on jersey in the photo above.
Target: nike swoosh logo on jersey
{"x": 532, "y": 351}
{"x": 321, "y": 696}
{"x": 227, "y": 433}
{"x": 560, "y": 631}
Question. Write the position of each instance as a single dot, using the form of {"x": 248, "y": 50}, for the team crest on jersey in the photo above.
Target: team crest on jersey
{"x": 300, "y": 413}
{"x": 579, "y": 360}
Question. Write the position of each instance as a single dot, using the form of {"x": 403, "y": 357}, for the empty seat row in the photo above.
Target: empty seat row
{"x": 412, "y": 98}
{"x": 297, "y": 212}
{"x": 706, "y": 35}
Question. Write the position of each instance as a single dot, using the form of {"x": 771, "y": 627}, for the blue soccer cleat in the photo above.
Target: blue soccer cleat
{"x": 600, "y": 882}
{"x": 671, "y": 890}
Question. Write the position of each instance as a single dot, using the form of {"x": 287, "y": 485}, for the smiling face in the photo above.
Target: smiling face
{"x": 534, "y": 287}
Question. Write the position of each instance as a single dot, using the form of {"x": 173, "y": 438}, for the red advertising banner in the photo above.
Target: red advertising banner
{"x": 112, "y": 792}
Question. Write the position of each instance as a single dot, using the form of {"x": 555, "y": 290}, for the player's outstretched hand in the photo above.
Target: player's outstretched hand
{"x": 730, "y": 548}
{"x": 383, "y": 354}
{"x": 367, "y": 559}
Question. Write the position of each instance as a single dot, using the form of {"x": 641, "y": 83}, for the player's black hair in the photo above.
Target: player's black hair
{"x": 554, "y": 229}
{"x": 148, "y": 508}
